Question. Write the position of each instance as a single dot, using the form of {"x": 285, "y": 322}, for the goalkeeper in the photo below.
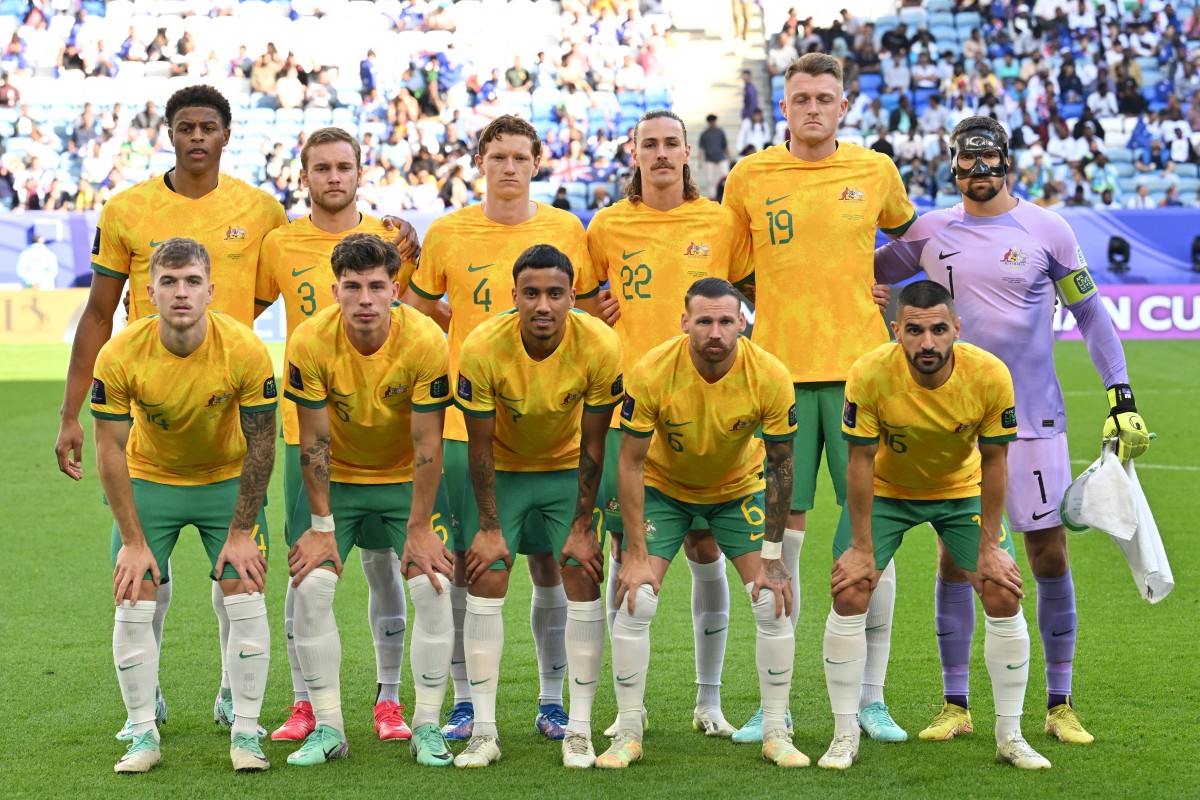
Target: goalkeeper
{"x": 1005, "y": 261}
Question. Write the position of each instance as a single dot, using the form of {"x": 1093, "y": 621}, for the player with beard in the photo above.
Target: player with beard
{"x": 1006, "y": 263}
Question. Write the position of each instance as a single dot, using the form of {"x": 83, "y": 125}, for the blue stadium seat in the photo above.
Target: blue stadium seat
{"x": 1119, "y": 154}
{"x": 1188, "y": 186}
{"x": 264, "y": 115}
{"x": 632, "y": 100}
{"x": 289, "y": 115}
{"x": 869, "y": 83}
{"x": 938, "y": 6}
{"x": 947, "y": 200}
{"x": 345, "y": 117}
{"x": 542, "y": 192}
{"x": 1187, "y": 170}
{"x": 1070, "y": 110}
{"x": 658, "y": 97}
{"x": 1124, "y": 169}
{"x": 944, "y": 35}
{"x": 940, "y": 18}
{"x": 317, "y": 118}
{"x": 577, "y": 194}
{"x": 967, "y": 19}
{"x": 777, "y": 83}
{"x": 889, "y": 101}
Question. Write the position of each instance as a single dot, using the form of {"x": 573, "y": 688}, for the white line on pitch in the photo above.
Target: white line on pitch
{"x": 1177, "y": 467}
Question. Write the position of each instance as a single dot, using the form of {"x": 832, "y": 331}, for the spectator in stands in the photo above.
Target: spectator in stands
{"x": 518, "y": 78}
{"x": 69, "y": 58}
{"x": 874, "y": 117}
{"x": 240, "y": 66}
{"x": 933, "y": 118}
{"x": 319, "y": 93}
{"x": 10, "y": 96}
{"x": 264, "y": 75}
{"x": 84, "y": 130}
{"x": 289, "y": 91}
{"x": 560, "y": 199}
{"x": 133, "y": 48}
{"x": 148, "y": 118}
{"x": 925, "y": 73}
{"x": 714, "y": 156}
{"x": 1107, "y": 200}
{"x": 56, "y": 198}
{"x": 882, "y": 145}
{"x": 754, "y": 133}
{"x": 600, "y": 199}
{"x": 810, "y": 41}
{"x": 895, "y": 40}
{"x": 1070, "y": 88}
{"x": 13, "y": 59}
{"x": 37, "y": 266}
{"x": 1180, "y": 147}
{"x": 974, "y": 47}
{"x": 368, "y": 74}
{"x": 1078, "y": 198}
{"x": 910, "y": 145}
{"x": 958, "y": 111}
{"x": 1102, "y": 102}
{"x": 1141, "y": 199}
{"x": 781, "y": 54}
{"x": 868, "y": 61}
{"x": 902, "y": 118}
{"x": 896, "y": 75}
{"x": 1051, "y": 199}
{"x": 1008, "y": 70}
{"x": 749, "y": 94}
{"x": 1172, "y": 199}
{"x": 1154, "y": 163}
{"x": 454, "y": 192}
{"x": 630, "y": 77}
{"x": 1103, "y": 176}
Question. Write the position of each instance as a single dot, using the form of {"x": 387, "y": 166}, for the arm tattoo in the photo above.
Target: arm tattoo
{"x": 483, "y": 477}
{"x": 259, "y": 430}
{"x": 589, "y": 484}
{"x": 777, "y": 573}
{"x": 421, "y": 461}
{"x": 317, "y": 457}
{"x": 779, "y": 488}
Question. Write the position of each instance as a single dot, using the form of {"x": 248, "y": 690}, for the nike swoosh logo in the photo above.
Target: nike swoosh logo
{"x": 778, "y": 672}
{"x": 471, "y": 268}
{"x": 847, "y": 661}
{"x": 557, "y": 667}
{"x": 754, "y": 537}
{"x": 453, "y": 662}
{"x": 773, "y": 200}
{"x": 940, "y": 633}
{"x": 340, "y": 394}
{"x": 333, "y": 750}
{"x": 583, "y": 683}
{"x": 154, "y": 243}
{"x": 1043, "y": 514}
{"x": 392, "y": 633}
{"x": 432, "y": 678}
{"x": 707, "y": 632}
{"x": 152, "y": 405}
{"x": 290, "y": 637}
{"x": 676, "y": 424}
{"x": 476, "y": 683}
{"x": 887, "y": 424}
{"x": 1061, "y": 633}
{"x": 1018, "y": 666}
{"x": 943, "y": 256}
{"x": 244, "y": 654}
{"x": 629, "y": 677}
{"x": 310, "y": 680}
{"x": 296, "y": 273}
{"x": 123, "y": 667}
{"x": 881, "y": 625}
{"x": 625, "y": 255}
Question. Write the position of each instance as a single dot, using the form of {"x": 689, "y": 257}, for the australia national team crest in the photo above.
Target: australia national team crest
{"x": 1015, "y": 260}
{"x": 742, "y": 424}
{"x": 235, "y": 234}
{"x": 697, "y": 250}
{"x": 852, "y": 195}
{"x": 218, "y": 398}
{"x": 395, "y": 391}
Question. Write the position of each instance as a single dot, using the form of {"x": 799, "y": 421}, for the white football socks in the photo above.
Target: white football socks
{"x": 299, "y": 689}
{"x": 1006, "y": 653}
{"x": 248, "y": 658}
{"x": 793, "y": 542}
{"x": 879, "y": 637}
{"x": 631, "y": 657}
{"x": 135, "y": 654}
{"x": 610, "y": 592}
{"x": 774, "y": 653}
{"x": 710, "y": 628}
{"x": 458, "y": 658}
{"x": 318, "y": 646}
{"x": 162, "y": 602}
{"x": 218, "y": 604}
{"x": 483, "y": 641}
{"x": 386, "y": 612}
{"x": 548, "y": 621}
{"x": 585, "y": 648}
{"x": 845, "y": 651}
{"x": 432, "y": 645}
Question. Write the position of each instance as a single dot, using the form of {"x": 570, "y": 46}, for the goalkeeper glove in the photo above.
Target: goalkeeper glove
{"x": 1124, "y": 426}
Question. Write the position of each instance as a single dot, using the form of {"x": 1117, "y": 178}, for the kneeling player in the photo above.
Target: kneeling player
{"x": 538, "y": 388}
{"x": 370, "y": 384}
{"x": 187, "y": 378}
{"x": 930, "y": 402}
{"x": 689, "y": 450}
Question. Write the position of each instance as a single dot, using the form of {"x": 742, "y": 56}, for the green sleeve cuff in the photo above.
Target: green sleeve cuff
{"x": 424, "y": 408}
{"x": 636, "y": 434}
{"x": 422, "y": 292}
{"x": 470, "y": 412}
{"x": 779, "y": 437}
{"x": 744, "y": 281}
{"x": 902, "y": 228}
{"x": 860, "y": 439}
{"x": 259, "y": 409}
{"x": 1008, "y": 437}
{"x": 301, "y": 401}
{"x": 587, "y": 295}
{"x": 112, "y": 273}
{"x": 264, "y": 303}
{"x": 114, "y": 417}
{"x": 601, "y": 409}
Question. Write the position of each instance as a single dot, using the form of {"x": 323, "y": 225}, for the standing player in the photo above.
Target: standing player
{"x": 811, "y": 207}
{"x": 538, "y": 387}
{"x": 295, "y": 262}
{"x": 945, "y": 415}
{"x": 1005, "y": 263}
{"x": 194, "y": 200}
{"x": 186, "y": 378}
{"x": 651, "y": 247}
{"x": 370, "y": 383}
{"x": 689, "y": 450}
{"x": 468, "y": 255}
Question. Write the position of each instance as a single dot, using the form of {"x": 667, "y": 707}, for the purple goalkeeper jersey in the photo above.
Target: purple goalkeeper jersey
{"x": 1003, "y": 272}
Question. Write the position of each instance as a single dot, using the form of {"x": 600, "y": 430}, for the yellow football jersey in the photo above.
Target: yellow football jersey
{"x": 230, "y": 221}
{"x": 651, "y": 258}
{"x": 704, "y": 448}
{"x": 370, "y": 399}
{"x": 470, "y": 258}
{"x": 294, "y": 262}
{"x": 186, "y": 425}
{"x": 928, "y": 450}
{"x": 538, "y": 405}
{"x": 812, "y": 245}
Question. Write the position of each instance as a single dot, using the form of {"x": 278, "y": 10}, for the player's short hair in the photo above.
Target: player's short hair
{"x": 508, "y": 124}
{"x": 926, "y": 294}
{"x": 994, "y": 128}
{"x": 814, "y": 64}
{"x": 327, "y": 136}
{"x": 544, "y": 256}
{"x": 633, "y": 189}
{"x": 360, "y": 252}
{"x": 203, "y": 96}
{"x": 712, "y": 289}
{"x": 179, "y": 252}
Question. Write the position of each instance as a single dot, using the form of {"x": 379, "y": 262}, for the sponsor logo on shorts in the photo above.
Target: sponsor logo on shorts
{"x": 627, "y": 408}
{"x": 1036, "y": 517}
{"x": 849, "y": 414}
{"x": 99, "y": 396}
{"x": 1009, "y": 418}
{"x": 218, "y": 399}
{"x": 294, "y": 379}
{"x": 650, "y": 529}
{"x": 612, "y": 505}
{"x": 618, "y": 387}
{"x": 269, "y": 390}
{"x": 440, "y": 387}
{"x": 464, "y": 388}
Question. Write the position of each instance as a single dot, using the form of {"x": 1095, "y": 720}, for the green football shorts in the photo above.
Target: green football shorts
{"x": 737, "y": 525}
{"x": 298, "y": 519}
{"x": 819, "y": 428}
{"x": 356, "y": 504}
{"x": 608, "y": 487}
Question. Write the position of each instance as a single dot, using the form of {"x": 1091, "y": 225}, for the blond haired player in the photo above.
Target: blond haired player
{"x": 295, "y": 263}
{"x": 184, "y": 403}
{"x": 468, "y": 255}
{"x": 928, "y": 422}
{"x": 651, "y": 247}
{"x": 691, "y": 408}
{"x": 538, "y": 386}
{"x": 370, "y": 383}
{"x": 812, "y": 206}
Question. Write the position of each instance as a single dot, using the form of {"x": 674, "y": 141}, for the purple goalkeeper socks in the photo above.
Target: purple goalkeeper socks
{"x": 1057, "y": 623}
{"x": 954, "y": 623}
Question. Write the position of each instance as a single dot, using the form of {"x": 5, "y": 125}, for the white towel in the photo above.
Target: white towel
{"x": 1145, "y": 553}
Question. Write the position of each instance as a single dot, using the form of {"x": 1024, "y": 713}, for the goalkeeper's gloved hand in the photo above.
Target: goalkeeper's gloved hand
{"x": 1124, "y": 426}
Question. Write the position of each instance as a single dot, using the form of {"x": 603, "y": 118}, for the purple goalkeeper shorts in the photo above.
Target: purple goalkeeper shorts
{"x": 1039, "y": 472}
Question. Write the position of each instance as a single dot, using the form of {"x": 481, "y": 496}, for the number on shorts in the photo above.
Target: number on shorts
{"x": 599, "y": 517}
{"x": 780, "y": 221}
{"x": 260, "y": 539}
{"x": 1041, "y": 485}
{"x": 440, "y": 530}
{"x": 753, "y": 514}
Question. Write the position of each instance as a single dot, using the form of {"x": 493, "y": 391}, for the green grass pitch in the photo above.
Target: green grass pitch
{"x": 1136, "y": 676}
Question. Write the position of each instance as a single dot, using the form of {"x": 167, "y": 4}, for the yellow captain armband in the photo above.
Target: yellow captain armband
{"x": 1076, "y": 286}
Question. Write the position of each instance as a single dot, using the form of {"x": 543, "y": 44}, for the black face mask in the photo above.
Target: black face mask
{"x": 977, "y": 142}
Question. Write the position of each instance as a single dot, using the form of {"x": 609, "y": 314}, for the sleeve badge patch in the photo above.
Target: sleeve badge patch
{"x": 99, "y": 396}
{"x": 269, "y": 390}
{"x": 1009, "y": 418}
{"x": 294, "y": 378}
{"x": 96, "y": 242}
{"x": 792, "y": 415}
{"x": 618, "y": 387}
{"x": 627, "y": 409}
{"x": 850, "y": 414}
{"x": 1079, "y": 255}
{"x": 464, "y": 388}
{"x": 1083, "y": 282}
{"x": 440, "y": 388}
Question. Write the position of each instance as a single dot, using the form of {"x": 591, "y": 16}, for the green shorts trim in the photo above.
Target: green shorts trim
{"x": 956, "y": 521}
{"x": 536, "y": 510}
{"x": 819, "y": 416}
{"x": 298, "y": 515}
{"x": 164, "y": 510}
{"x": 608, "y": 485}
{"x": 737, "y": 525}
